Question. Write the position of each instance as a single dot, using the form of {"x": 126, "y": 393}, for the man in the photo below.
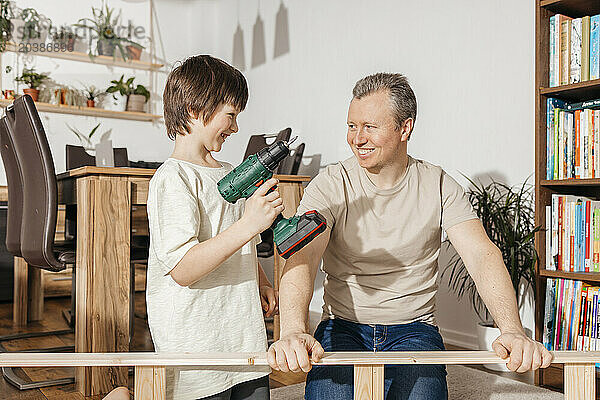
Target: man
{"x": 385, "y": 213}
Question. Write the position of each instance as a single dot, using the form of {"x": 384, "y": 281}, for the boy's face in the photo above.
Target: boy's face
{"x": 213, "y": 135}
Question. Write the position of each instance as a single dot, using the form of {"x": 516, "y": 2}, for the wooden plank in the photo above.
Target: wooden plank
{"x": 581, "y": 276}
{"x": 150, "y": 383}
{"x": 236, "y": 359}
{"x": 378, "y": 382}
{"x": 580, "y": 381}
{"x": 139, "y": 190}
{"x": 3, "y": 193}
{"x": 363, "y": 382}
{"x": 85, "y": 58}
{"x": 103, "y": 276}
{"x": 89, "y": 111}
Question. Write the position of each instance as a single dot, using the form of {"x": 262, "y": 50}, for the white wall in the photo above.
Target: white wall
{"x": 471, "y": 64}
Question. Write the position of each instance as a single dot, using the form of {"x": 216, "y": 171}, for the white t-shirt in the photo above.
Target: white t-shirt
{"x": 219, "y": 313}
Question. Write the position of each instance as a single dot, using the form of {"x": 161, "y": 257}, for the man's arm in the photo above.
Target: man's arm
{"x": 295, "y": 346}
{"x": 485, "y": 264}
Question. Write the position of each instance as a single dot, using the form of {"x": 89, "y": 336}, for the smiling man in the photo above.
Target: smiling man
{"x": 385, "y": 214}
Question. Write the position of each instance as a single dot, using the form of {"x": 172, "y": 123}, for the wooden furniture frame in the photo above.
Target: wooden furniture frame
{"x": 544, "y": 189}
{"x": 104, "y": 198}
{"x": 150, "y": 377}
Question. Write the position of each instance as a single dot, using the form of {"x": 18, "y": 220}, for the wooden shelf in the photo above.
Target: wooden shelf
{"x": 571, "y": 182}
{"x": 572, "y": 8}
{"x": 580, "y": 276}
{"x": 90, "y": 111}
{"x": 84, "y": 57}
{"x": 577, "y": 91}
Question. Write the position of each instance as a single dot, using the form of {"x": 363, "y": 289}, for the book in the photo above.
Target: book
{"x": 591, "y": 104}
{"x": 565, "y": 49}
{"x": 585, "y": 48}
{"x": 575, "y": 49}
{"x": 552, "y": 78}
{"x": 552, "y": 105}
{"x": 549, "y": 317}
{"x": 594, "y": 46}
{"x": 549, "y": 237}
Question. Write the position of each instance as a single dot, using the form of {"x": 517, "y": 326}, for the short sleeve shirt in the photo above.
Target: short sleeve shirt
{"x": 381, "y": 260}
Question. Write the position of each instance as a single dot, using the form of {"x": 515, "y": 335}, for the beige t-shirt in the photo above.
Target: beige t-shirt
{"x": 219, "y": 313}
{"x": 381, "y": 260}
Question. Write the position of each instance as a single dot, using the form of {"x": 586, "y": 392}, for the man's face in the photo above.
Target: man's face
{"x": 372, "y": 133}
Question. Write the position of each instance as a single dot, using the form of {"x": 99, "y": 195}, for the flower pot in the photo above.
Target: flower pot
{"x": 63, "y": 93}
{"x": 81, "y": 45}
{"x": 105, "y": 48}
{"x": 134, "y": 52}
{"x": 114, "y": 102}
{"x": 91, "y": 103}
{"x": 34, "y": 93}
{"x": 136, "y": 102}
{"x": 486, "y": 335}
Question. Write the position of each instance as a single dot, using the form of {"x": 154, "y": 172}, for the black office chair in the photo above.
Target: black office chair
{"x": 78, "y": 157}
{"x": 15, "y": 234}
{"x": 291, "y": 164}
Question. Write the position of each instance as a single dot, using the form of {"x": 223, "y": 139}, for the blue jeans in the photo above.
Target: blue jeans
{"x": 411, "y": 382}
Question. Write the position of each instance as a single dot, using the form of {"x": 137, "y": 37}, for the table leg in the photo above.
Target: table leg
{"x": 102, "y": 278}
{"x": 28, "y": 294}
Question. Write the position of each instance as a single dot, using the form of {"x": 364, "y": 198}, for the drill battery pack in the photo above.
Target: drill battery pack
{"x": 309, "y": 226}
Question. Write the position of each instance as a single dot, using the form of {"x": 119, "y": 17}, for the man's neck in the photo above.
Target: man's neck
{"x": 389, "y": 175}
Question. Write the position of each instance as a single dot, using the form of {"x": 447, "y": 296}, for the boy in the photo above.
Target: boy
{"x": 204, "y": 286}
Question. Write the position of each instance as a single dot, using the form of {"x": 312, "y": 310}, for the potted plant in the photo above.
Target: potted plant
{"x": 119, "y": 91}
{"x": 32, "y": 27}
{"x": 86, "y": 139}
{"x": 104, "y": 23}
{"x": 65, "y": 37}
{"x": 137, "y": 96}
{"x": 6, "y": 26}
{"x": 91, "y": 94}
{"x": 33, "y": 80}
{"x": 507, "y": 214}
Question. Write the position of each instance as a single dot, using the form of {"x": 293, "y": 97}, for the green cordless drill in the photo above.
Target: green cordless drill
{"x": 289, "y": 234}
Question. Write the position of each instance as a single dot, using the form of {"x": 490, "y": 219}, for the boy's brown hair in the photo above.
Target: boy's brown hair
{"x": 196, "y": 88}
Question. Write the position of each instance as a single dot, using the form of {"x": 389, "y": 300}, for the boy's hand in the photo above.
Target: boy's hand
{"x": 262, "y": 208}
{"x": 268, "y": 300}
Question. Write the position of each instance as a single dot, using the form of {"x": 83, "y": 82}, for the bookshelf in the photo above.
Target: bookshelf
{"x": 552, "y": 376}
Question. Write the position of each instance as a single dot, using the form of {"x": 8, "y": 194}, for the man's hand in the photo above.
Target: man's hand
{"x": 268, "y": 300}
{"x": 294, "y": 353}
{"x": 525, "y": 354}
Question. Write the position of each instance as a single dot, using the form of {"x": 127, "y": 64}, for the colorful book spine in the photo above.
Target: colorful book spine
{"x": 577, "y": 148}
{"x": 575, "y": 60}
{"x": 585, "y": 48}
{"x": 587, "y": 220}
{"x": 594, "y": 46}
{"x": 596, "y": 232}
{"x": 552, "y": 79}
{"x": 565, "y": 49}
{"x": 549, "y": 317}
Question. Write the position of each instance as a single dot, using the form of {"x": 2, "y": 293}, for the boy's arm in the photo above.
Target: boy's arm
{"x": 259, "y": 213}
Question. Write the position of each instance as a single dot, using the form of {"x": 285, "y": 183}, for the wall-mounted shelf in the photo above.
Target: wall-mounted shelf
{"x": 580, "y": 276}
{"x": 90, "y": 111}
{"x": 576, "y": 91}
{"x": 83, "y": 57}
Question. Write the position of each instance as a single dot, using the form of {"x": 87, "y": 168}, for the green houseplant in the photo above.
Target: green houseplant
{"x": 507, "y": 214}
{"x": 35, "y": 26}
{"x": 104, "y": 23}
{"x": 91, "y": 94}
{"x": 137, "y": 95}
{"x": 6, "y": 26}
{"x": 33, "y": 80}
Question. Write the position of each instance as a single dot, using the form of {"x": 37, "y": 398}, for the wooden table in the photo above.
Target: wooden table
{"x": 104, "y": 197}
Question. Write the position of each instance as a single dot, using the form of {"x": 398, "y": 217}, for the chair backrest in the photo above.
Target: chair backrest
{"x": 40, "y": 197}
{"x": 78, "y": 157}
{"x": 15, "y": 190}
{"x": 258, "y": 142}
{"x": 290, "y": 164}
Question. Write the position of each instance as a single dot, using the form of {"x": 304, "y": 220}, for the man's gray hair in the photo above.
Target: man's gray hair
{"x": 402, "y": 97}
